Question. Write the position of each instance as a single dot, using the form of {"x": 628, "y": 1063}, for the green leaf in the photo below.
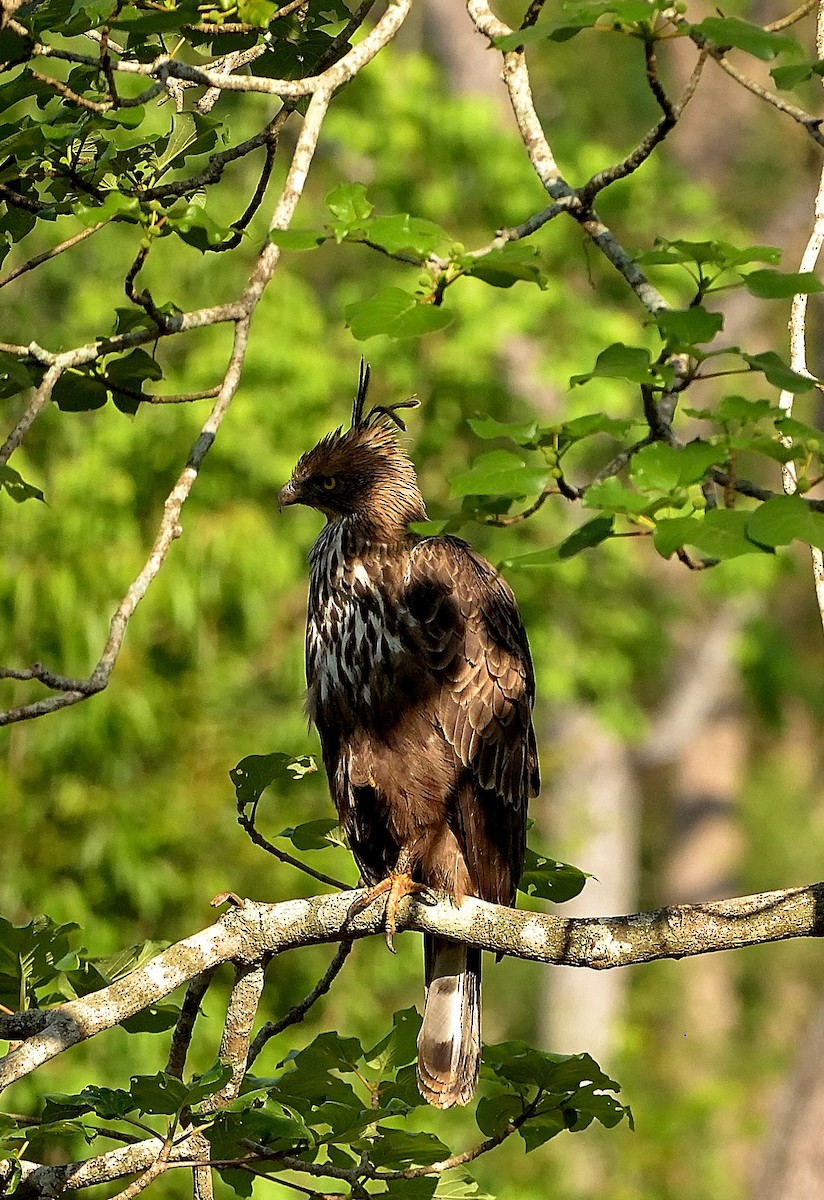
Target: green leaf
{"x": 549, "y": 879}
{"x": 523, "y": 434}
{"x": 791, "y": 75}
{"x": 663, "y": 468}
{"x": 781, "y": 520}
{"x": 689, "y": 326}
{"x": 592, "y": 423}
{"x": 208, "y": 1083}
{"x": 115, "y": 206}
{"x": 620, "y": 362}
{"x": 31, "y": 959}
{"x": 194, "y": 226}
{"x": 737, "y": 410}
{"x": 744, "y": 35}
{"x": 298, "y": 239}
{"x": 399, "y": 1046}
{"x": 348, "y": 204}
{"x": 502, "y": 268}
{"x": 313, "y": 835}
{"x": 590, "y": 534}
{"x": 780, "y": 285}
{"x": 15, "y": 486}
{"x": 256, "y": 772}
{"x": 402, "y": 234}
{"x": 79, "y": 391}
{"x": 162, "y": 1094}
{"x": 500, "y": 473}
{"x": 581, "y": 16}
{"x": 722, "y": 533}
{"x": 404, "y": 1148}
{"x": 777, "y": 372}
{"x": 396, "y": 313}
{"x": 612, "y": 496}
{"x": 131, "y": 371}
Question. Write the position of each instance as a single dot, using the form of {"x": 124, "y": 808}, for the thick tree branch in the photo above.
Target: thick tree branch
{"x": 250, "y": 932}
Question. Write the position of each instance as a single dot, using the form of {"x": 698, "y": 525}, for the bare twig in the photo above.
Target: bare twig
{"x": 298, "y": 1011}
{"x": 47, "y": 254}
{"x": 804, "y": 119}
{"x": 182, "y": 1036}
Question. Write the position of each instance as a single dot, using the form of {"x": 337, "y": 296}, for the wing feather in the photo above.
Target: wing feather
{"x": 466, "y": 627}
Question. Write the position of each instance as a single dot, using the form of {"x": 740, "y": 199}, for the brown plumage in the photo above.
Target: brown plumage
{"x": 421, "y": 686}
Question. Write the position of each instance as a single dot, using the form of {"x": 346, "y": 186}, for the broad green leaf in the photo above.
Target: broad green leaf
{"x": 744, "y": 35}
{"x": 689, "y": 326}
{"x": 620, "y": 362}
{"x": 115, "y": 206}
{"x": 721, "y": 533}
{"x": 502, "y": 268}
{"x": 777, "y": 372}
{"x": 781, "y": 520}
{"x": 612, "y": 496}
{"x": 162, "y": 1094}
{"x": 591, "y": 533}
{"x": 209, "y": 1082}
{"x": 399, "y": 1046}
{"x": 256, "y": 772}
{"x": 592, "y": 423}
{"x": 664, "y": 468}
{"x": 523, "y": 434}
{"x": 402, "y": 234}
{"x": 194, "y": 226}
{"x": 780, "y": 285}
{"x": 581, "y": 16}
{"x": 500, "y": 473}
{"x": 724, "y": 533}
{"x": 404, "y": 1147}
{"x": 738, "y": 410}
{"x": 348, "y": 204}
{"x": 791, "y": 75}
{"x": 312, "y": 835}
{"x": 808, "y": 434}
{"x": 539, "y": 1130}
{"x": 396, "y": 313}
{"x": 78, "y": 391}
{"x": 131, "y": 371}
{"x": 549, "y": 879}
{"x": 15, "y": 486}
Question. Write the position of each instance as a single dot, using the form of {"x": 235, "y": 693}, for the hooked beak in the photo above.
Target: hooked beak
{"x": 287, "y": 495}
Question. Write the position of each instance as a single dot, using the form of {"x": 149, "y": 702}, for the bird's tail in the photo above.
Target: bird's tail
{"x": 449, "y": 1043}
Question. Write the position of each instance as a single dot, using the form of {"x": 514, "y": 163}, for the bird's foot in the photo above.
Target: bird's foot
{"x": 396, "y": 885}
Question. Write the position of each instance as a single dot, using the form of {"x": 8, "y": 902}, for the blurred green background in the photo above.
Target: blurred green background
{"x": 679, "y": 713}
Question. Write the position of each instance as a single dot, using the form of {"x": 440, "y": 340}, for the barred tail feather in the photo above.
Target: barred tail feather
{"x": 449, "y": 1043}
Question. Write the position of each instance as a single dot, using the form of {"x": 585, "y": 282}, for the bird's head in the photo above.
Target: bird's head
{"x": 361, "y": 473}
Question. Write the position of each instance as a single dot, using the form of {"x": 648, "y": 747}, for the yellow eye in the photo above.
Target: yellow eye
{"x": 329, "y": 482}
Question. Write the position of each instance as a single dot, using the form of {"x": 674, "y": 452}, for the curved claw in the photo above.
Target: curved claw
{"x": 396, "y": 885}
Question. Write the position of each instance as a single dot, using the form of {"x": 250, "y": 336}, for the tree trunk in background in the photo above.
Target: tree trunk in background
{"x": 792, "y": 1165}
{"x": 592, "y": 804}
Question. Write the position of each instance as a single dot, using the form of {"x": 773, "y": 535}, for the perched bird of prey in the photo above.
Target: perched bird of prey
{"x": 421, "y": 686}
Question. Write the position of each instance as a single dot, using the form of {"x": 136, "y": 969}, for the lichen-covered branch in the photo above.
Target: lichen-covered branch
{"x": 250, "y": 932}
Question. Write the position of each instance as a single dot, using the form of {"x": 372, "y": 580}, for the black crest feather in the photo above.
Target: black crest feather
{"x": 359, "y": 421}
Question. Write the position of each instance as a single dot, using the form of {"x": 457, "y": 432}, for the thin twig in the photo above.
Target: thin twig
{"x": 182, "y": 1036}
{"x": 298, "y": 1011}
{"x": 47, "y": 254}
{"x": 247, "y": 823}
{"x": 791, "y": 18}
{"x": 806, "y": 120}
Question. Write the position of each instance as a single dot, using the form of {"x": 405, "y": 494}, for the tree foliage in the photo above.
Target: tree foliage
{"x": 223, "y": 207}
